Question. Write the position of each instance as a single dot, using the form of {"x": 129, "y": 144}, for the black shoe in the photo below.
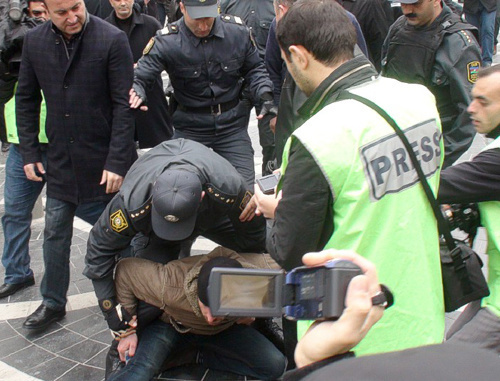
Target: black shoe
{"x": 10, "y": 289}
{"x": 5, "y": 147}
{"x": 113, "y": 363}
{"x": 43, "y": 317}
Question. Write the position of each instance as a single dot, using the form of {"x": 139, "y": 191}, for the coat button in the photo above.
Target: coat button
{"x": 71, "y": 140}
{"x": 66, "y": 115}
{"x": 66, "y": 85}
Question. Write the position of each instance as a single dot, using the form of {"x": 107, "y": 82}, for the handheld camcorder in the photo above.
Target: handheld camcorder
{"x": 304, "y": 293}
{"x": 268, "y": 183}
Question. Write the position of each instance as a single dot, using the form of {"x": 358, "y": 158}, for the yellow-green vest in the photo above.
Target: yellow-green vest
{"x": 490, "y": 219}
{"x": 10, "y": 121}
{"x": 380, "y": 208}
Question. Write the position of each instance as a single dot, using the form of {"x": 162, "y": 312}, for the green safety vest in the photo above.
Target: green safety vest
{"x": 380, "y": 209}
{"x": 490, "y": 219}
{"x": 10, "y": 121}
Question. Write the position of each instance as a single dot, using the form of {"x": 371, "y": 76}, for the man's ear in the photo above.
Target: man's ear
{"x": 300, "y": 56}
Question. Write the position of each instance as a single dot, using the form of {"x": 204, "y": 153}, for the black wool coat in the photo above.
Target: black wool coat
{"x": 155, "y": 125}
{"x": 89, "y": 122}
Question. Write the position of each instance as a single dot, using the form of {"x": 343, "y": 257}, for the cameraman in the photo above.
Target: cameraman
{"x": 479, "y": 181}
{"x": 20, "y": 194}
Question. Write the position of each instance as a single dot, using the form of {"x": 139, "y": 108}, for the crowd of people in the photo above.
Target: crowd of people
{"x": 82, "y": 90}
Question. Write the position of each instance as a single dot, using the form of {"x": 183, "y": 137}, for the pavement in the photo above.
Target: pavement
{"x": 75, "y": 348}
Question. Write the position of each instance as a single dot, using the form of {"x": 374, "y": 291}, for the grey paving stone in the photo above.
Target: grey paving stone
{"x": 59, "y": 341}
{"x": 52, "y": 369}
{"x": 83, "y": 351}
{"x": 6, "y": 331}
{"x": 28, "y": 358}
{"x": 88, "y": 325}
{"x": 83, "y": 373}
{"x": 12, "y": 345}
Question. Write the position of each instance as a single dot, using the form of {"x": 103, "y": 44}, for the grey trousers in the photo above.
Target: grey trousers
{"x": 476, "y": 325}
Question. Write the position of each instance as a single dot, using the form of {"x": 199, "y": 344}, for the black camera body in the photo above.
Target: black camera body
{"x": 463, "y": 216}
{"x": 305, "y": 293}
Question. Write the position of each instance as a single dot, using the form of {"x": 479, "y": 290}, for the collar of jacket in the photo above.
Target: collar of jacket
{"x": 350, "y": 73}
{"x": 216, "y": 31}
{"x": 493, "y": 134}
{"x": 75, "y": 36}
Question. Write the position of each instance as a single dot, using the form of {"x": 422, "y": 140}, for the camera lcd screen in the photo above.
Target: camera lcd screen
{"x": 245, "y": 292}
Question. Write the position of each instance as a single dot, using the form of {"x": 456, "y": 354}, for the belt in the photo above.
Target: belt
{"x": 215, "y": 110}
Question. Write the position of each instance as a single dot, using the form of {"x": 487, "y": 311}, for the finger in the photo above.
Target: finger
{"x": 144, "y": 108}
{"x": 358, "y": 305}
{"x": 121, "y": 351}
{"x": 40, "y": 168}
{"x": 132, "y": 348}
{"x": 260, "y": 116}
{"x": 110, "y": 186}
{"x": 104, "y": 177}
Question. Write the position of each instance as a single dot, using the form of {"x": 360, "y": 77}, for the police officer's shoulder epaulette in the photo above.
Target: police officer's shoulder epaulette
{"x": 170, "y": 29}
{"x": 216, "y": 194}
{"x": 466, "y": 36}
{"x": 142, "y": 211}
{"x": 232, "y": 19}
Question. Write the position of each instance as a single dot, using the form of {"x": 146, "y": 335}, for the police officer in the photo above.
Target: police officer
{"x": 431, "y": 46}
{"x": 208, "y": 57}
{"x": 175, "y": 192}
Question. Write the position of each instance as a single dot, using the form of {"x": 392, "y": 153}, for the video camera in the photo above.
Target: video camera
{"x": 304, "y": 293}
{"x": 462, "y": 216}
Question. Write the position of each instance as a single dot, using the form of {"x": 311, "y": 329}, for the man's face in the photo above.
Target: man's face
{"x": 67, "y": 15}
{"x": 421, "y": 13}
{"x": 208, "y": 315}
{"x": 485, "y": 106}
{"x": 298, "y": 75}
{"x": 37, "y": 10}
{"x": 200, "y": 27}
{"x": 123, "y": 8}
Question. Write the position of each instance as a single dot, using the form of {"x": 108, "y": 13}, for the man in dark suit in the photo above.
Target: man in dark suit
{"x": 83, "y": 65}
{"x": 155, "y": 125}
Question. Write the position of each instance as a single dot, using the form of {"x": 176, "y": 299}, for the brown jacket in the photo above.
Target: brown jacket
{"x": 173, "y": 287}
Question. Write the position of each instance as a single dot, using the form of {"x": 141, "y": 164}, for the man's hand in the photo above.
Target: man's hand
{"x": 112, "y": 180}
{"x": 266, "y": 204}
{"x": 29, "y": 170}
{"x": 272, "y": 124}
{"x": 249, "y": 212}
{"x": 329, "y": 338}
{"x": 268, "y": 107}
{"x": 129, "y": 344}
{"x": 135, "y": 101}
{"x": 245, "y": 320}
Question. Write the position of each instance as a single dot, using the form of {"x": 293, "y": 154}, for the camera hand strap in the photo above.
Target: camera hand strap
{"x": 442, "y": 223}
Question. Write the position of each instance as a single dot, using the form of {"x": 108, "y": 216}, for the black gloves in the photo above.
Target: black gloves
{"x": 117, "y": 317}
{"x": 268, "y": 106}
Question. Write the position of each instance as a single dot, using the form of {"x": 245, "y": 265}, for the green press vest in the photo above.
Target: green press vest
{"x": 10, "y": 121}
{"x": 490, "y": 219}
{"x": 380, "y": 209}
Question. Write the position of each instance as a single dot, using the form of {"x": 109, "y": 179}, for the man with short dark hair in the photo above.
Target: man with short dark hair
{"x": 179, "y": 288}
{"x": 347, "y": 182}
{"x": 208, "y": 58}
{"x": 85, "y": 78}
{"x": 155, "y": 125}
{"x": 479, "y": 181}
{"x": 431, "y": 46}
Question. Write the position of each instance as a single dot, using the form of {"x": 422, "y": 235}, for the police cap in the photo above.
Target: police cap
{"x": 198, "y": 9}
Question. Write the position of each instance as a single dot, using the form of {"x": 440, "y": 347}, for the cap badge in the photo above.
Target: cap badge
{"x": 171, "y": 218}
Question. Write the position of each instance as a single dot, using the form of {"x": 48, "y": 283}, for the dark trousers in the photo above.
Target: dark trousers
{"x": 7, "y": 85}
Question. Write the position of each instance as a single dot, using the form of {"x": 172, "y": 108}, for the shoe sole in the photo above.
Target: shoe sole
{"x": 45, "y": 325}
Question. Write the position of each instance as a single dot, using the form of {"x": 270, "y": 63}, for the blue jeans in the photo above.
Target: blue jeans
{"x": 20, "y": 195}
{"x": 485, "y": 22}
{"x": 58, "y": 232}
{"x": 239, "y": 349}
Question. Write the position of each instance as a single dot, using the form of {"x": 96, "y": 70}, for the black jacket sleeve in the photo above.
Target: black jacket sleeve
{"x": 304, "y": 217}
{"x": 474, "y": 181}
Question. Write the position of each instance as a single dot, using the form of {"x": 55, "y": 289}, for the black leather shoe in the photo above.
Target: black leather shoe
{"x": 43, "y": 317}
{"x": 10, "y": 289}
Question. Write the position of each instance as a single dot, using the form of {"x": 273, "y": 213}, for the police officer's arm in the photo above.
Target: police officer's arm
{"x": 28, "y": 101}
{"x": 255, "y": 73}
{"x": 474, "y": 181}
{"x": 111, "y": 235}
{"x": 459, "y": 58}
{"x": 304, "y": 216}
{"x": 148, "y": 68}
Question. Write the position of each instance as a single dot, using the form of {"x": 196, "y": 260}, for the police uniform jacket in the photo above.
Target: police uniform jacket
{"x": 155, "y": 125}
{"x": 257, "y": 14}
{"x": 226, "y": 195}
{"x": 173, "y": 287}
{"x": 89, "y": 122}
{"x": 205, "y": 72}
{"x": 308, "y": 192}
{"x": 448, "y": 70}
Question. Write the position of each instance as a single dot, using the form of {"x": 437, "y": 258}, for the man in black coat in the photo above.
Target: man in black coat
{"x": 155, "y": 125}
{"x": 84, "y": 67}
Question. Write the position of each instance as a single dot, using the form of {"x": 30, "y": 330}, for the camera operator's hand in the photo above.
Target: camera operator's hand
{"x": 266, "y": 204}
{"x": 330, "y": 338}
